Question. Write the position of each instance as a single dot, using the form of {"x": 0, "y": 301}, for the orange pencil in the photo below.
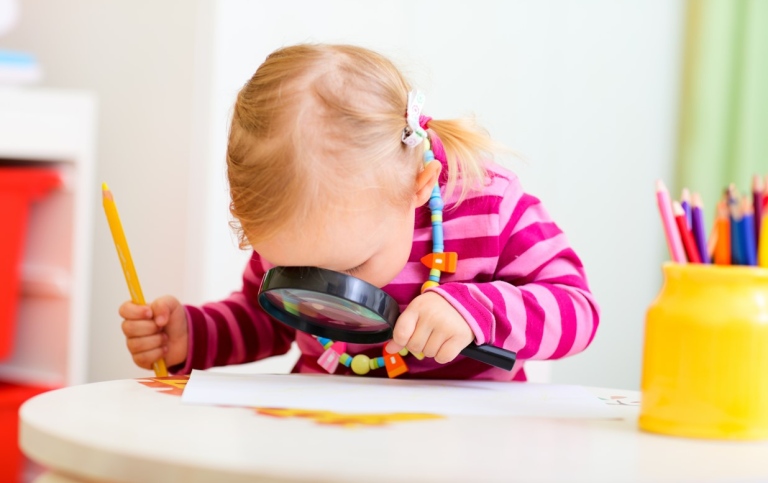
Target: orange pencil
{"x": 723, "y": 229}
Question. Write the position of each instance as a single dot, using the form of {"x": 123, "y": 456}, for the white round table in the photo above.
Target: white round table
{"x": 126, "y": 431}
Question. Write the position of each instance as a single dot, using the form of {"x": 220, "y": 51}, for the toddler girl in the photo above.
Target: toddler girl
{"x": 326, "y": 168}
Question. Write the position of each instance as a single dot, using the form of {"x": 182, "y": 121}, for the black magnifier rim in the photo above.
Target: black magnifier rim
{"x": 340, "y": 285}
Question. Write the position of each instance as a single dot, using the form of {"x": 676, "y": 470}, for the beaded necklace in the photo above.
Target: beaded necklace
{"x": 438, "y": 261}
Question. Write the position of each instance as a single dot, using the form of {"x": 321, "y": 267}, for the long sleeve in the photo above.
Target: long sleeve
{"x": 235, "y": 330}
{"x": 537, "y": 301}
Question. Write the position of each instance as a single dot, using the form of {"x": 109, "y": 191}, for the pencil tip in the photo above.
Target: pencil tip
{"x": 105, "y": 193}
{"x": 660, "y": 185}
{"x": 677, "y": 208}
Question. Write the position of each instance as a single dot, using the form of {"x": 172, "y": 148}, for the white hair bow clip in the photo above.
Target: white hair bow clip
{"x": 413, "y": 133}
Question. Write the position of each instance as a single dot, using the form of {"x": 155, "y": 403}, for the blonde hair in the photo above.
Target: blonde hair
{"x": 312, "y": 118}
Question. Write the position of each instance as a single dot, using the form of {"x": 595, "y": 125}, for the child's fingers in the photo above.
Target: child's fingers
{"x": 403, "y": 330}
{"x": 162, "y": 309}
{"x": 433, "y": 345}
{"x": 419, "y": 338}
{"x": 139, "y": 328}
{"x": 130, "y": 310}
{"x": 393, "y": 347}
{"x": 449, "y": 350}
{"x": 147, "y": 358}
{"x": 138, "y": 345}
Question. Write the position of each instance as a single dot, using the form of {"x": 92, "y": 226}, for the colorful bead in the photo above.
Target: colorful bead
{"x": 403, "y": 352}
{"x": 346, "y": 359}
{"x": 339, "y": 347}
{"x": 377, "y": 362}
{"x": 395, "y": 364}
{"x": 437, "y": 238}
{"x": 418, "y": 355}
{"x": 329, "y": 360}
{"x": 428, "y": 284}
{"x": 323, "y": 341}
{"x": 445, "y": 262}
{"x": 361, "y": 364}
{"x": 436, "y": 203}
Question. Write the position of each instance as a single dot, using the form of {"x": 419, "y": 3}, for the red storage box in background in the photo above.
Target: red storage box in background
{"x": 19, "y": 186}
{"x": 12, "y": 396}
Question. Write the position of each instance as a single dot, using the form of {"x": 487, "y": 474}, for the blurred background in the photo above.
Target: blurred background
{"x": 600, "y": 98}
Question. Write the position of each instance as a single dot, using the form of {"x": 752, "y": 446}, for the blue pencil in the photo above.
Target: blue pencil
{"x": 748, "y": 233}
{"x": 737, "y": 247}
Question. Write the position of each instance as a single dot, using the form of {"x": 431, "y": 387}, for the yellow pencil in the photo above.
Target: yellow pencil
{"x": 118, "y": 236}
{"x": 762, "y": 247}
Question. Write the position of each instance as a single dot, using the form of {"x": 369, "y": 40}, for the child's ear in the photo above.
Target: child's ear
{"x": 425, "y": 182}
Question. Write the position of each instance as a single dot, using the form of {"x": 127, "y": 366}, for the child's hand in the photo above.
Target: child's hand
{"x": 155, "y": 331}
{"x": 432, "y": 326}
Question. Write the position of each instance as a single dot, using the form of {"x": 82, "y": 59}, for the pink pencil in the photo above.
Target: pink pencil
{"x": 674, "y": 242}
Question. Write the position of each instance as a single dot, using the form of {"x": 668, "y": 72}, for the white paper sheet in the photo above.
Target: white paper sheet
{"x": 347, "y": 394}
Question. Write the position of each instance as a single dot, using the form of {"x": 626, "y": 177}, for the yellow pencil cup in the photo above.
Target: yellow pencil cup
{"x": 705, "y": 354}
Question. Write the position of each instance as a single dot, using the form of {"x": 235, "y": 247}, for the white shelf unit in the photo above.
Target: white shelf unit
{"x": 56, "y": 128}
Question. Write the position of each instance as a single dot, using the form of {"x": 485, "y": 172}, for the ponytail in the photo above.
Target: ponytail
{"x": 468, "y": 148}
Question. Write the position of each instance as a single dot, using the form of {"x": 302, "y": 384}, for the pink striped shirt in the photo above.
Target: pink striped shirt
{"x": 518, "y": 284}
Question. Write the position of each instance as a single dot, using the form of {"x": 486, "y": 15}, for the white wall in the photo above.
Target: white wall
{"x": 586, "y": 92}
{"x": 138, "y": 57}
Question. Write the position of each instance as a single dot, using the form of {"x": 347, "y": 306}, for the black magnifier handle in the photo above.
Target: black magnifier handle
{"x": 491, "y": 355}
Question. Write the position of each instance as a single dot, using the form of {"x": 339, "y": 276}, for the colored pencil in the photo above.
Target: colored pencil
{"x": 737, "y": 245}
{"x": 748, "y": 233}
{"x": 685, "y": 202}
{"x": 712, "y": 242}
{"x": 765, "y": 194}
{"x": 126, "y": 261}
{"x": 674, "y": 242}
{"x": 722, "y": 254}
{"x": 762, "y": 246}
{"x": 697, "y": 227}
{"x": 685, "y": 234}
{"x": 757, "y": 202}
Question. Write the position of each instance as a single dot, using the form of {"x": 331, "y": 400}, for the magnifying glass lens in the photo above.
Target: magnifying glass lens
{"x": 327, "y": 310}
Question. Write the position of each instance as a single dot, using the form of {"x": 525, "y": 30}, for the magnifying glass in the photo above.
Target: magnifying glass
{"x": 341, "y": 307}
